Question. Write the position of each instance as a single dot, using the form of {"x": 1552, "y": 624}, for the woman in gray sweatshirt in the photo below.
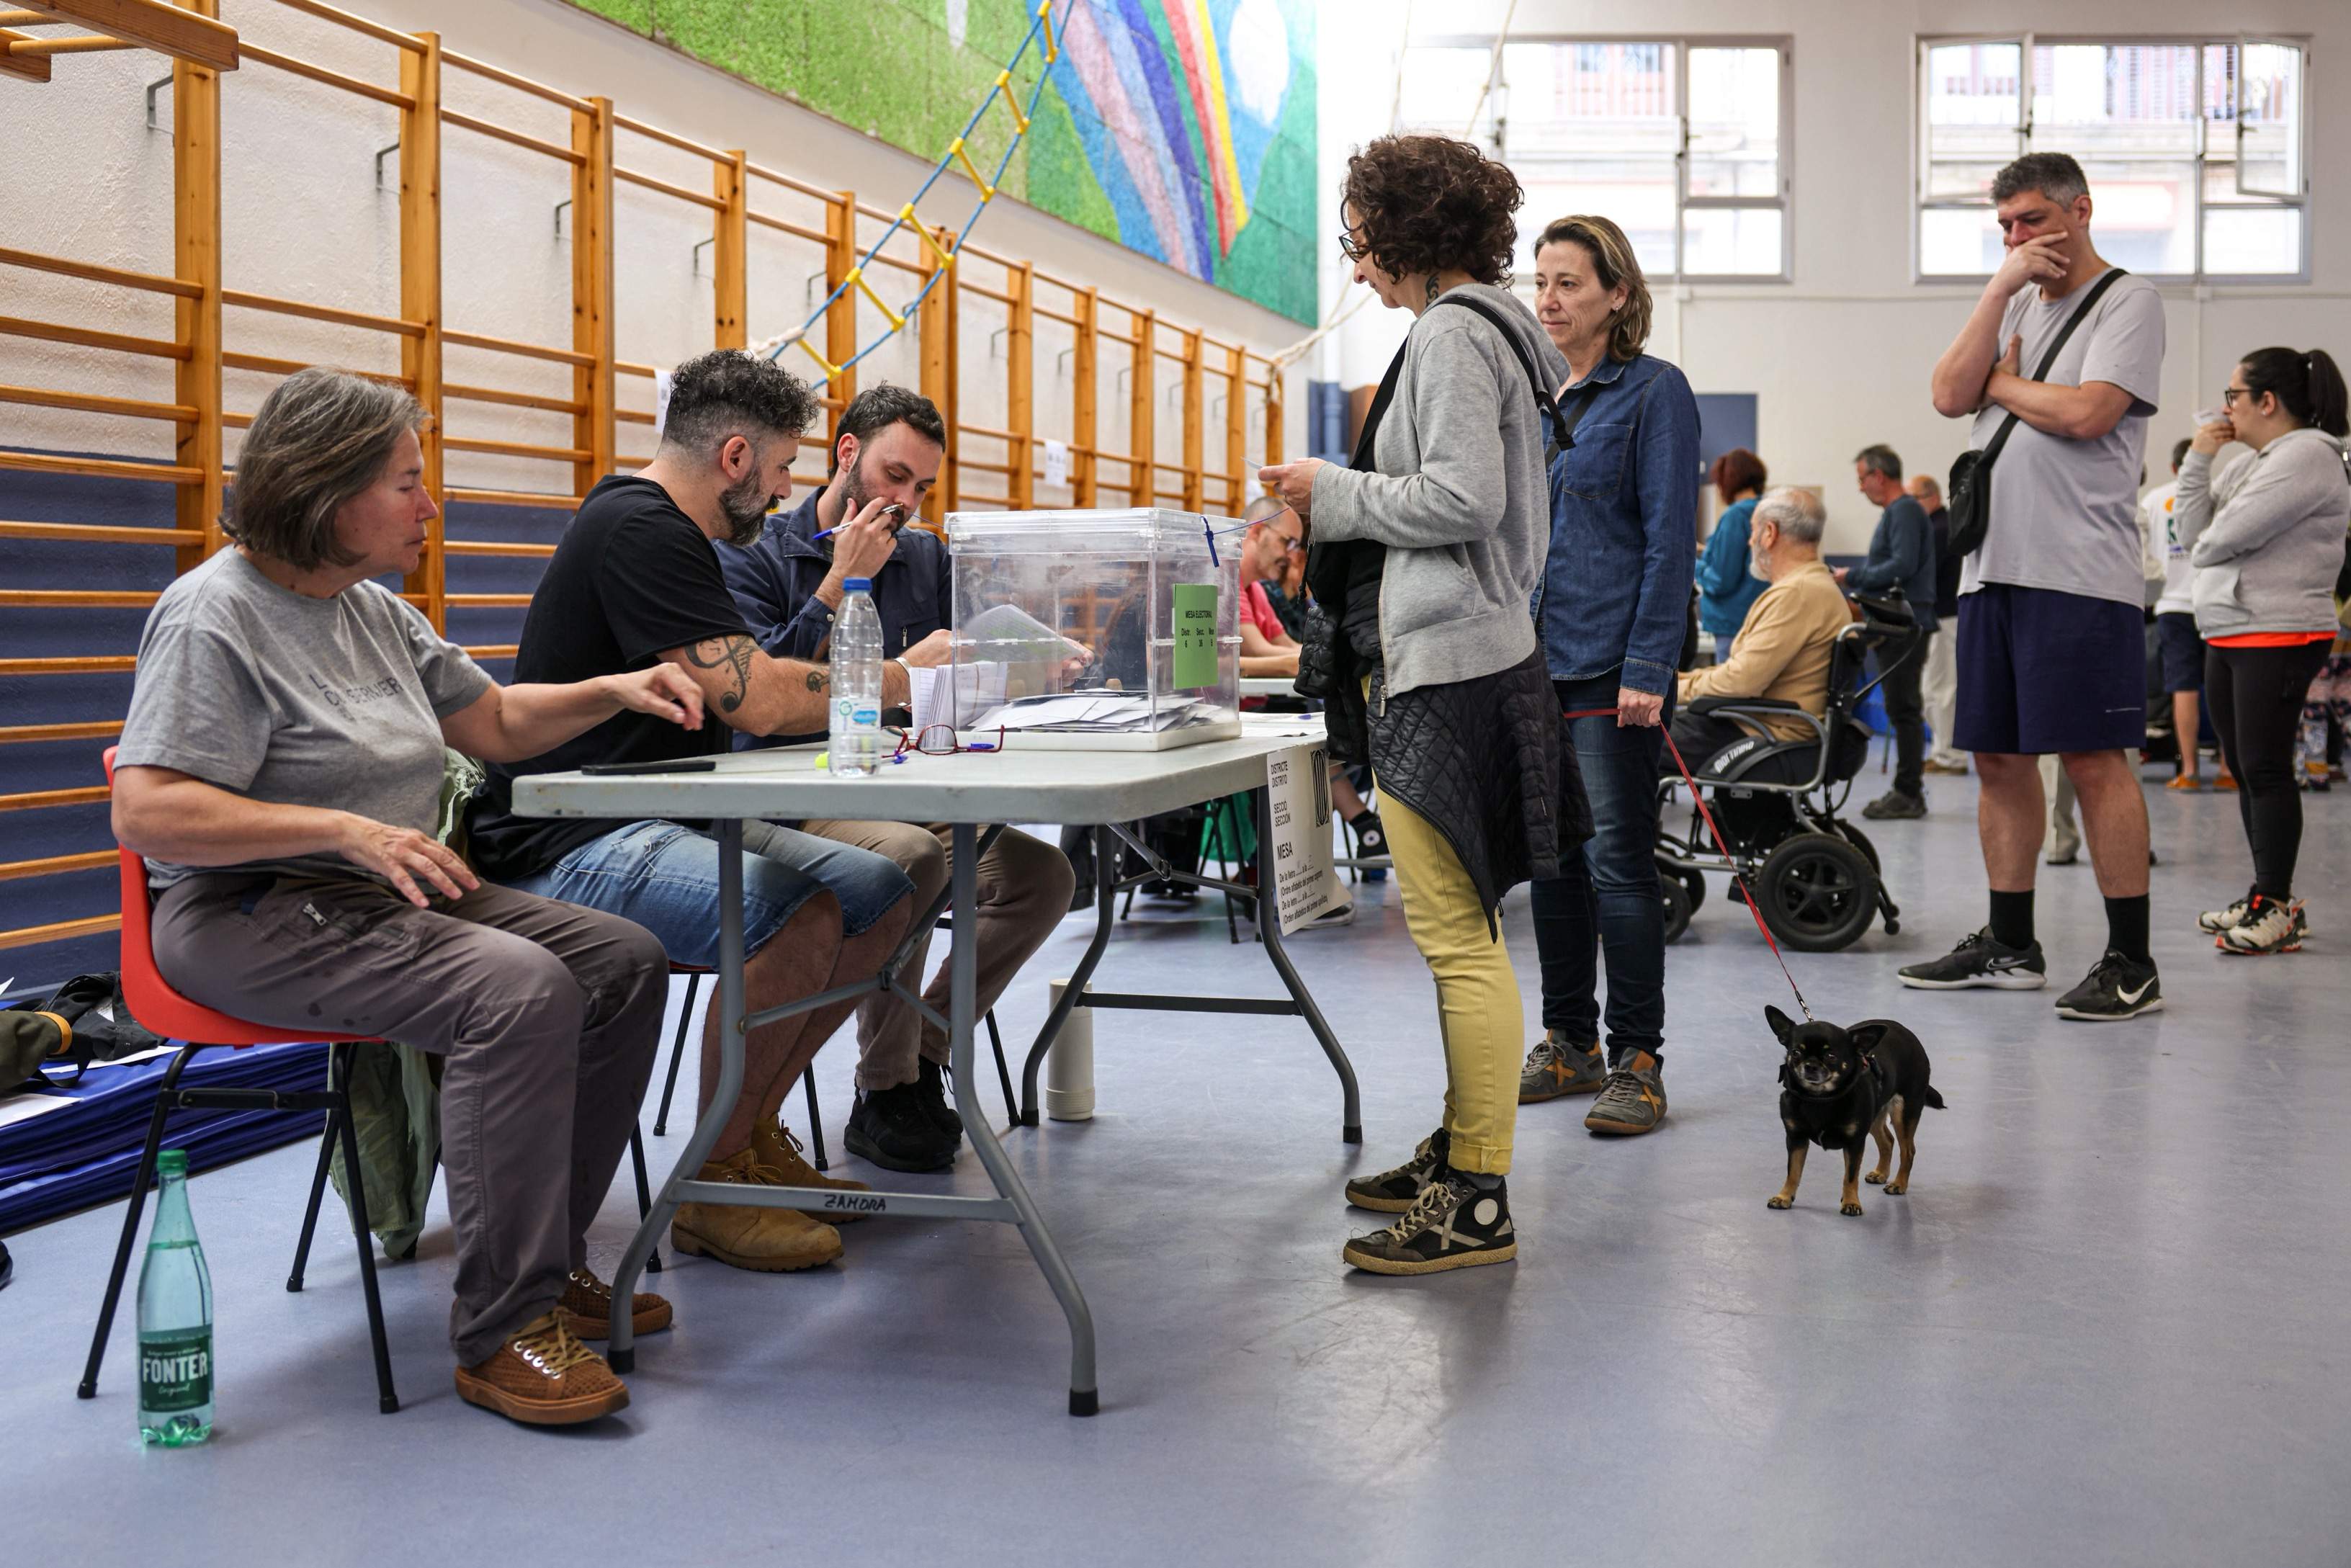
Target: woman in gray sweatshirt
{"x": 1426, "y": 551}
{"x": 2266, "y": 537}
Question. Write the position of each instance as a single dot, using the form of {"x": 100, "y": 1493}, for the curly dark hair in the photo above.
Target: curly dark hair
{"x": 727, "y": 392}
{"x": 1430, "y": 203}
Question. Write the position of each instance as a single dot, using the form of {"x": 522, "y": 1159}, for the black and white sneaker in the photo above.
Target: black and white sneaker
{"x": 2115, "y": 988}
{"x": 1455, "y": 1224}
{"x": 1980, "y": 959}
{"x": 1393, "y": 1192}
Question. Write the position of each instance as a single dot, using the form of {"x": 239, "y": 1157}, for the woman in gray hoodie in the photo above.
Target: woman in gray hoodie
{"x": 2265, "y": 534}
{"x": 1426, "y": 551}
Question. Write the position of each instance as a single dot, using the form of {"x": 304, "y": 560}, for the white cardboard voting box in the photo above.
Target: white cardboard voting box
{"x": 1074, "y": 628}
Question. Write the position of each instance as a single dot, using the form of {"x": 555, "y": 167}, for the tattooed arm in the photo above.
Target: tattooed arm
{"x": 748, "y": 690}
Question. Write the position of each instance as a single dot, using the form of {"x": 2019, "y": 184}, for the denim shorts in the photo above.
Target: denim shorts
{"x": 664, "y": 877}
{"x": 2183, "y": 651}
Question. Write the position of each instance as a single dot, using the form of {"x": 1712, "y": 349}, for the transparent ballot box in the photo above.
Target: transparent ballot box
{"x": 1074, "y": 629}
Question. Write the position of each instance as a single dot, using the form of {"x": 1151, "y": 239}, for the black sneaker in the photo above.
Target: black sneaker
{"x": 1980, "y": 959}
{"x": 935, "y": 1104}
{"x": 891, "y": 1128}
{"x": 1455, "y": 1225}
{"x": 1371, "y": 836}
{"x": 1894, "y": 805}
{"x": 2115, "y": 988}
{"x": 1393, "y": 1192}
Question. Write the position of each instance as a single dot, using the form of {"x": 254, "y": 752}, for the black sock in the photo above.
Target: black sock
{"x": 2126, "y": 927}
{"x": 2011, "y": 918}
{"x": 1484, "y": 1181}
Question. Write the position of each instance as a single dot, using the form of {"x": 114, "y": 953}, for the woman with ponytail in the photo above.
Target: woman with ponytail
{"x": 2266, "y": 536}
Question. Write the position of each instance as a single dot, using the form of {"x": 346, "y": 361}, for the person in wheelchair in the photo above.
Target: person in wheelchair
{"x": 1752, "y": 729}
{"x": 1782, "y": 654}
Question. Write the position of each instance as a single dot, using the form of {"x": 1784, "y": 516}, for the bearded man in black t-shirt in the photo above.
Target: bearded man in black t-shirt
{"x": 636, "y": 582}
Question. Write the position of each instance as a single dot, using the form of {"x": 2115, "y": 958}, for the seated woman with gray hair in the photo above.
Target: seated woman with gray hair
{"x": 1783, "y": 650}
{"x": 281, "y": 771}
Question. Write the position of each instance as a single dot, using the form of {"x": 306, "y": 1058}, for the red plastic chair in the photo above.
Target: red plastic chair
{"x": 167, "y": 1012}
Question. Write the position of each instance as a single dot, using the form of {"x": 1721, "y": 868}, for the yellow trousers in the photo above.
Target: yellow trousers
{"x": 1477, "y": 1007}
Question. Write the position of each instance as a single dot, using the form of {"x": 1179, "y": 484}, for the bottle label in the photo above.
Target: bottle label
{"x": 856, "y": 715}
{"x": 175, "y": 1369}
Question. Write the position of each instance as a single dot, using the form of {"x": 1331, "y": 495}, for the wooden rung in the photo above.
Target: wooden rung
{"x": 89, "y": 402}
{"x": 63, "y": 930}
{"x": 50, "y": 866}
{"x": 492, "y": 546}
{"x": 508, "y": 346}
{"x": 519, "y": 83}
{"x": 513, "y": 399}
{"x": 76, "y": 599}
{"x": 513, "y": 498}
{"x": 95, "y": 731}
{"x": 37, "y": 799}
{"x": 325, "y": 78}
{"x": 375, "y": 30}
{"x": 493, "y": 651}
{"x": 31, "y": 68}
{"x": 36, "y": 262}
{"x": 499, "y": 132}
{"x": 487, "y": 601}
{"x": 245, "y": 302}
{"x": 151, "y": 25}
{"x": 89, "y": 338}
{"x": 100, "y": 468}
{"x": 84, "y": 665}
{"x": 99, "y": 533}
{"x": 633, "y": 415}
{"x": 267, "y": 366}
{"x": 698, "y": 197}
{"x": 87, "y": 43}
{"x": 517, "y": 449}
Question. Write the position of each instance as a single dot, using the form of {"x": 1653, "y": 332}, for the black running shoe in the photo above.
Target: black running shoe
{"x": 2116, "y": 988}
{"x": 1980, "y": 959}
{"x": 1393, "y": 1192}
{"x": 891, "y": 1128}
{"x": 1894, "y": 805}
{"x": 1455, "y": 1225}
{"x": 933, "y": 1086}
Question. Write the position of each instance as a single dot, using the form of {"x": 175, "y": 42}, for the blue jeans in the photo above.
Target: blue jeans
{"x": 1604, "y": 901}
{"x": 665, "y": 876}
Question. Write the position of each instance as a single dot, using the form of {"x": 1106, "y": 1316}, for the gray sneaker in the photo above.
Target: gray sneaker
{"x": 1632, "y": 1100}
{"x": 1557, "y": 1068}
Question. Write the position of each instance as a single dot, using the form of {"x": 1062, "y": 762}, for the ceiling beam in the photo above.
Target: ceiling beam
{"x": 150, "y": 24}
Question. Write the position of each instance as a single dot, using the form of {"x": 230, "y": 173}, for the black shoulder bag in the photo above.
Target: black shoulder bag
{"x": 1562, "y": 416}
{"x": 1969, "y": 494}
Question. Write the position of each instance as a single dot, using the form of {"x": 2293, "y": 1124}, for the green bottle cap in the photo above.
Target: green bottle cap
{"x": 172, "y": 1162}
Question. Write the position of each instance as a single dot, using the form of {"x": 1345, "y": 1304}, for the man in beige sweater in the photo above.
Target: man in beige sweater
{"x": 1783, "y": 650}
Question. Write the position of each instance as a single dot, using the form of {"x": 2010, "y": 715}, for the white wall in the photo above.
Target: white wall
{"x": 83, "y": 177}
{"x": 1840, "y": 357}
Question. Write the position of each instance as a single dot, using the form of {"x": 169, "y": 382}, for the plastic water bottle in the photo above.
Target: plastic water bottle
{"x": 856, "y": 737}
{"x": 176, "y": 1319}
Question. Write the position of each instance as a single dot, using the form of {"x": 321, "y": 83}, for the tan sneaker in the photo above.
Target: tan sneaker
{"x": 771, "y": 1240}
{"x": 588, "y": 1301}
{"x": 543, "y": 1377}
{"x": 779, "y": 1149}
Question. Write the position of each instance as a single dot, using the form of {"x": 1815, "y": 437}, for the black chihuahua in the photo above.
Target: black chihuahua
{"x": 1844, "y": 1084}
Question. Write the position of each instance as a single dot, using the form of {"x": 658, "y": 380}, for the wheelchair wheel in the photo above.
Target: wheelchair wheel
{"x": 1817, "y": 892}
{"x": 1673, "y": 892}
{"x": 1694, "y": 883}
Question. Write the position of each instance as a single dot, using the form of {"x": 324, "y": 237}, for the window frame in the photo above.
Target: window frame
{"x": 2028, "y": 40}
{"x": 1783, "y": 200}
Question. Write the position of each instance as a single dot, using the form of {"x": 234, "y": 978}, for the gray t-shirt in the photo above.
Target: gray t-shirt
{"x": 297, "y": 701}
{"x": 2064, "y": 513}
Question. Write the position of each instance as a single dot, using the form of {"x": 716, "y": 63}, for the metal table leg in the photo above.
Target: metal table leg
{"x": 1269, "y": 925}
{"x": 622, "y": 1353}
{"x": 1106, "y": 845}
{"x": 964, "y": 989}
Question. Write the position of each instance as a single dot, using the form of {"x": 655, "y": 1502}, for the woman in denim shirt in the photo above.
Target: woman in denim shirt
{"x": 1727, "y": 589}
{"x": 1613, "y": 617}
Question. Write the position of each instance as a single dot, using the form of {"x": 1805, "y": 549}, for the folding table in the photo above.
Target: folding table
{"x": 968, "y": 792}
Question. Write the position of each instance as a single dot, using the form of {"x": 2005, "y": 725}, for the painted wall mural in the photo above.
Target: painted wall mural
{"x": 1184, "y": 130}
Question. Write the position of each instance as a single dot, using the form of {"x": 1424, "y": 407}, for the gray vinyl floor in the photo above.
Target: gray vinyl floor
{"x": 2107, "y": 1325}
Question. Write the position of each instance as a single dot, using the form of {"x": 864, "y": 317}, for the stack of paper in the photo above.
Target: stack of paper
{"x": 1106, "y": 711}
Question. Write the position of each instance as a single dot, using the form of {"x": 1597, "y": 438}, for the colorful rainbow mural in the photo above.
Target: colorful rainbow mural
{"x": 1185, "y": 130}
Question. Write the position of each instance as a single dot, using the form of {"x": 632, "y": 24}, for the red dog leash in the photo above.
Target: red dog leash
{"x": 1745, "y": 896}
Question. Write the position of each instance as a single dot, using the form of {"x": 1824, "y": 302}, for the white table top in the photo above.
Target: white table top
{"x": 1009, "y": 786}
{"x": 1268, "y": 687}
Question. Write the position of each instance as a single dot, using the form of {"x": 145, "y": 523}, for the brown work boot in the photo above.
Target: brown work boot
{"x": 588, "y": 1301}
{"x": 543, "y": 1377}
{"x": 778, "y": 1150}
{"x": 771, "y": 1240}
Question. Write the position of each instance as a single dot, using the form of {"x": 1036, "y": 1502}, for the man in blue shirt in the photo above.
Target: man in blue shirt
{"x": 789, "y": 583}
{"x": 1901, "y": 556}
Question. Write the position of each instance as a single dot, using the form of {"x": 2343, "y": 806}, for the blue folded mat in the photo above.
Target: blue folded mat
{"x": 65, "y": 1160}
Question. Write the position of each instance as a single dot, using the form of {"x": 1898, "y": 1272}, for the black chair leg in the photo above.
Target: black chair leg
{"x": 88, "y": 1389}
{"x": 676, "y": 1055}
{"x": 1003, "y": 1072}
{"x": 815, "y": 1119}
{"x": 318, "y": 1193}
{"x": 340, "y": 1119}
{"x": 644, "y": 1191}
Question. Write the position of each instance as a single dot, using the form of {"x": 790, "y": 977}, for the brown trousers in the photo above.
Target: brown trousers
{"x": 548, "y": 1017}
{"x": 1024, "y": 892}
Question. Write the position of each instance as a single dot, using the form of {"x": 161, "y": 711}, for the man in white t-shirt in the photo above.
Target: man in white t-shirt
{"x": 2052, "y": 649}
